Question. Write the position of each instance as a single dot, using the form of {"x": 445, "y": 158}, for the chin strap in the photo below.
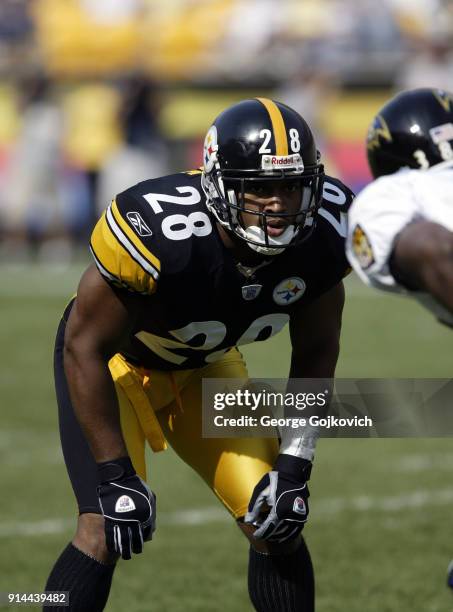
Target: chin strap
{"x": 254, "y": 234}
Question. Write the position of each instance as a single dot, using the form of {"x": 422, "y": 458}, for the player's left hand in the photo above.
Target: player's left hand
{"x": 128, "y": 506}
{"x": 279, "y": 503}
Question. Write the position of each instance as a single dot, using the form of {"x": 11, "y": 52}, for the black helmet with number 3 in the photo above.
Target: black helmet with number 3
{"x": 261, "y": 140}
{"x": 414, "y": 130}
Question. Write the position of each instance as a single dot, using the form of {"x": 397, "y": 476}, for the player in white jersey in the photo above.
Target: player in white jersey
{"x": 400, "y": 235}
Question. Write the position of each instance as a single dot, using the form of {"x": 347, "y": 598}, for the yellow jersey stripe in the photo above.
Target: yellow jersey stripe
{"x": 152, "y": 259}
{"x": 150, "y": 287}
{"x": 278, "y": 126}
{"x": 128, "y": 246}
{"x": 116, "y": 263}
{"x": 102, "y": 269}
{"x": 104, "y": 248}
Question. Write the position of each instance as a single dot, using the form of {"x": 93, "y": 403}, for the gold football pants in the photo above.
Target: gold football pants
{"x": 163, "y": 407}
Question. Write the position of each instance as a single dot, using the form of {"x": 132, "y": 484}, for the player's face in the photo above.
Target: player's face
{"x": 279, "y": 198}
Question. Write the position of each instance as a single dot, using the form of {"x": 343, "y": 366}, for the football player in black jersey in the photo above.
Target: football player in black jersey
{"x": 187, "y": 268}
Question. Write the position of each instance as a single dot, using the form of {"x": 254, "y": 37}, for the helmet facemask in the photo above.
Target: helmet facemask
{"x": 226, "y": 191}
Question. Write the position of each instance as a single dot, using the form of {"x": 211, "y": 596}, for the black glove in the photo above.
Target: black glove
{"x": 128, "y": 506}
{"x": 279, "y": 503}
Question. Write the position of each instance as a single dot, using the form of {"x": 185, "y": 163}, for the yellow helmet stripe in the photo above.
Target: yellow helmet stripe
{"x": 278, "y": 126}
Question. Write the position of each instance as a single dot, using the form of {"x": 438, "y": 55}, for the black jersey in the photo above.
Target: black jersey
{"x": 158, "y": 239}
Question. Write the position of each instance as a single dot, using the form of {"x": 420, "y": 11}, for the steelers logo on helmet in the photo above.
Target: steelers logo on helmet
{"x": 263, "y": 145}
{"x": 210, "y": 149}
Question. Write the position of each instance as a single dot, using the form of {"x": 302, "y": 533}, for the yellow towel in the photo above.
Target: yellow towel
{"x": 132, "y": 386}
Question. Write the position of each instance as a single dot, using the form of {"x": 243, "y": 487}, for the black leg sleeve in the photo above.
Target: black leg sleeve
{"x": 87, "y": 581}
{"x": 282, "y": 583}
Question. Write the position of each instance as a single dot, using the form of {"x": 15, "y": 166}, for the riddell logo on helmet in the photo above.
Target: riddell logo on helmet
{"x": 269, "y": 162}
{"x": 281, "y": 161}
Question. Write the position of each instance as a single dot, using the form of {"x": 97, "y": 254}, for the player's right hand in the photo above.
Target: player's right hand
{"x": 128, "y": 506}
{"x": 284, "y": 491}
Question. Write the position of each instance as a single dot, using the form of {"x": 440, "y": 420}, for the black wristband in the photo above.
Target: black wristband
{"x": 296, "y": 467}
{"x": 115, "y": 469}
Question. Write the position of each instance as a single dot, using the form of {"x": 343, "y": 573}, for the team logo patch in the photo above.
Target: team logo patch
{"x": 210, "y": 149}
{"x": 361, "y": 247}
{"x": 138, "y": 224}
{"x": 289, "y": 290}
{"x": 250, "y": 292}
{"x": 124, "y": 504}
{"x": 299, "y": 506}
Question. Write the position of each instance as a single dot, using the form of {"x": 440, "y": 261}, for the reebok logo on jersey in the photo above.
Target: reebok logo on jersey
{"x": 361, "y": 247}
{"x": 124, "y": 504}
{"x": 299, "y": 506}
{"x": 138, "y": 224}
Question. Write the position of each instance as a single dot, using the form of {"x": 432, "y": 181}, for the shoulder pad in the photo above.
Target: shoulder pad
{"x": 336, "y": 201}
{"x": 143, "y": 225}
{"x": 119, "y": 250}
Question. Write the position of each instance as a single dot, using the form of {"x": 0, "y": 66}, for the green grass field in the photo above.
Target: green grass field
{"x": 380, "y": 531}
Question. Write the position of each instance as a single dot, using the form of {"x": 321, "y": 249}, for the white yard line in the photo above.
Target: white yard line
{"x": 421, "y": 462}
{"x": 322, "y": 510}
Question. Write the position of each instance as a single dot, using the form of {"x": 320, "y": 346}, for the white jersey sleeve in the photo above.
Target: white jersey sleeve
{"x": 382, "y": 210}
{"x": 375, "y": 219}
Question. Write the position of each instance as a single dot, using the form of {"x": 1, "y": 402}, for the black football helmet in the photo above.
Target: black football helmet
{"x": 260, "y": 140}
{"x": 414, "y": 129}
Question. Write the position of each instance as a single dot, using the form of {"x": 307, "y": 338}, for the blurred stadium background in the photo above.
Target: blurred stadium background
{"x": 98, "y": 94}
